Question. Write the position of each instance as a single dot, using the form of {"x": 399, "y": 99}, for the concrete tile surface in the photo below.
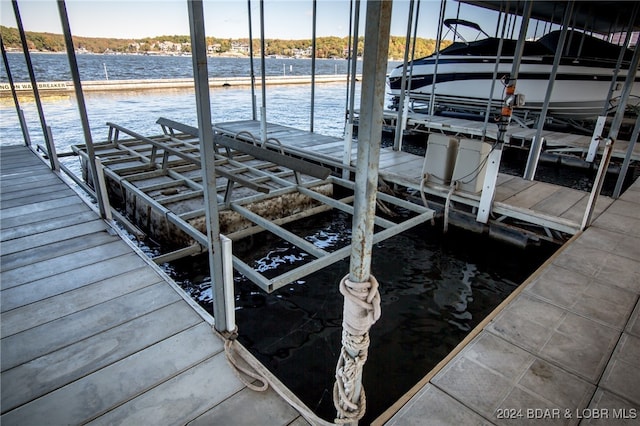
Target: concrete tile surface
{"x": 434, "y": 406}
{"x": 608, "y": 409}
{"x": 583, "y": 295}
{"x": 622, "y": 374}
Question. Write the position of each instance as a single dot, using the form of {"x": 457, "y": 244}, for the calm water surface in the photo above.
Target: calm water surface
{"x": 435, "y": 288}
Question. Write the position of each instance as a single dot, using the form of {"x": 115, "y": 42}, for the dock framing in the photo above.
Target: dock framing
{"x": 552, "y": 208}
{"x": 93, "y": 332}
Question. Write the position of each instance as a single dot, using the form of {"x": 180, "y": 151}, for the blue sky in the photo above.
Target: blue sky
{"x": 284, "y": 19}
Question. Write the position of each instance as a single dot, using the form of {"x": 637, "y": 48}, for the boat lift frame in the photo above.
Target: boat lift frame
{"x": 176, "y": 152}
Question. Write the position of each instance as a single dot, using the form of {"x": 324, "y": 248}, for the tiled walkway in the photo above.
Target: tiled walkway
{"x": 566, "y": 350}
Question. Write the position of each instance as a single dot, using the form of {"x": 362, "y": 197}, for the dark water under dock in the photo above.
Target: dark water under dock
{"x": 435, "y": 288}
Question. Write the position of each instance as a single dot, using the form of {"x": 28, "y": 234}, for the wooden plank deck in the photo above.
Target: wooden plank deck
{"x": 540, "y": 203}
{"x": 562, "y": 349}
{"x": 92, "y": 332}
{"x": 554, "y": 140}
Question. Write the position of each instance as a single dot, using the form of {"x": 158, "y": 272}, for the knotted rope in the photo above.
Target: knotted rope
{"x": 361, "y": 311}
{"x": 239, "y": 369}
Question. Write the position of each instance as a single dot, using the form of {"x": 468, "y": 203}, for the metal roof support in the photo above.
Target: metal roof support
{"x": 221, "y": 312}
{"x": 624, "y": 96}
{"x": 360, "y": 287}
{"x": 432, "y": 101}
{"x": 536, "y": 144}
{"x": 253, "y": 76}
{"x": 351, "y": 87}
{"x": 623, "y": 48}
{"x": 105, "y": 210}
{"x": 313, "y": 65}
{"x": 402, "y": 108}
{"x": 617, "y": 120}
{"x": 495, "y": 72}
{"x": 522, "y": 37}
{"x": 263, "y": 108}
{"x": 46, "y": 133}
{"x": 23, "y": 122}
{"x": 627, "y": 159}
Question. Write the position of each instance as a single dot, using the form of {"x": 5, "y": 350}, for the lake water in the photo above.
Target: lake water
{"x": 435, "y": 288}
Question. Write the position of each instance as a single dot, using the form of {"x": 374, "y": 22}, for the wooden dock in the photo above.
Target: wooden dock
{"x": 563, "y": 349}
{"x": 93, "y": 332}
{"x": 542, "y": 204}
{"x": 517, "y": 136}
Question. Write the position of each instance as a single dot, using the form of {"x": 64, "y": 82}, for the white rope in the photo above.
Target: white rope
{"x": 361, "y": 311}
{"x": 237, "y": 369}
{"x": 424, "y": 196}
{"x": 453, "y": 187}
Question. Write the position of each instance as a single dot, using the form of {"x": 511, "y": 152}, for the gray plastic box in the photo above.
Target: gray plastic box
{"x": 471, "y": 165}
{"x": 440, "y": 158}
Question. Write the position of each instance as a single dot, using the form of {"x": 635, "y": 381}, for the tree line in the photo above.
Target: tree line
{"x": 326, "y": 47}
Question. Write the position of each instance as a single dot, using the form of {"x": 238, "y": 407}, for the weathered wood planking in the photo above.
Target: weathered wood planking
{"x": 92, "y": 332}
{"x": 539, "y": 202}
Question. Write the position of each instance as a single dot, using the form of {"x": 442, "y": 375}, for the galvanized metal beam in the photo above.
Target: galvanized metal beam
{"x": 289, "y": 162}
{"x": 203, "y": 104}
{"x": 82, "y": 108}
{"x": 36, "y": 93}
{"x": 23, "y": 123}
{"x": 369, "y": 136}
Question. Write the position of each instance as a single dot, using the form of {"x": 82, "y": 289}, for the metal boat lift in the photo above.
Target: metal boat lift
{"x": 248, "y": 173}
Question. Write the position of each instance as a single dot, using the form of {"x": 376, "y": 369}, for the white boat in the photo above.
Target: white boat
{"x": 465, "y": 73}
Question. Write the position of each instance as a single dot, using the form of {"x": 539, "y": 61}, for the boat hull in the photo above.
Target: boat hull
{"x": 464, "y": 83}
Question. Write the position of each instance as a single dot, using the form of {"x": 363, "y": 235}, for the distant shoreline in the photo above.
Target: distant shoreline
{"x": 66, "y": 87}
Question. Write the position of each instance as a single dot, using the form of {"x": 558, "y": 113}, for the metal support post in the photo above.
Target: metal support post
{"x": 362, "y": 300}
{"x": 207, "y": 152}
{"x": 101, "y": 188}
{"x": 434, "y": 81}
{"x": 627, "y": 159}
{"x": 536, "y": 144}
{"x": 253, "y": 77}
{"x": 489, "y": 186}
{"x": 263, "y": 109}
{"x": 34, "y": 83}
{"x": 351, "y": 92}
{"x": 624, "y": 96}
{"x": 404, "y": 92}
{"x": 595, "y": 138}
{"x": 313, "y": 66}
{"x": 105, "y": 211}
{"x": 623, "y": 48}
{"x": 23, "y": 122}
{"x": 597, "y": 185}
{"x": 227, "y": 271}
{"x": 53, "y": 154}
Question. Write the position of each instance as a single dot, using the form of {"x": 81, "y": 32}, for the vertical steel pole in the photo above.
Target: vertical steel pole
{"x": 360, "y": 284}
{"x": 313, "y": 64}
{"x": 623, "y": 49}
{"x": 400, "y": 121}
{"x": 34, "y": 85}
{"x": 253, "y": 77}
{"x": 105, "y": 211}
{"x": 351, "y": 90}
{"x": 263, "y": 109}
{"x": 432, "y": 98}
{"x": 23, "y": 122}
{"x": 369, "y": 136}
{"x": 624, "y": 96}
{"x": 627, "y": 159}
{"x": 207, "y": 152}
{"x": 536, "y": 143}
